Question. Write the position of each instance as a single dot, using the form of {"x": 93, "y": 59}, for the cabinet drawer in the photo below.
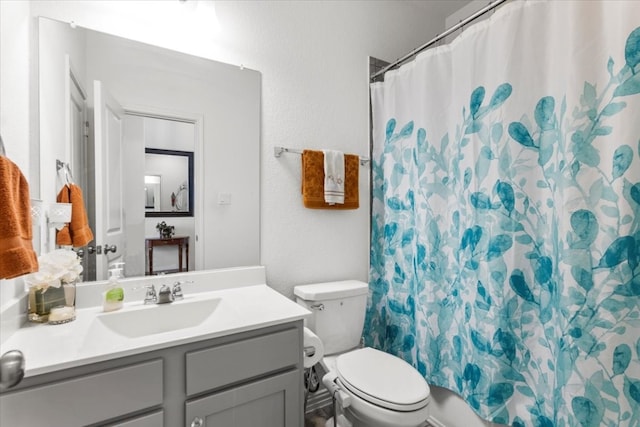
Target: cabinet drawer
{"x": 87, "y": 399}
{"x": 218, "y": 366}
{"x": 154, "y": 419}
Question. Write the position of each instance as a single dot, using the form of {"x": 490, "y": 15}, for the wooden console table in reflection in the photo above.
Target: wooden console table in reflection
{"x": 180, "y": 242}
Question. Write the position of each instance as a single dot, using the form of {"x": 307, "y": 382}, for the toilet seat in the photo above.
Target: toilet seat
{"x": 382, "y": 379}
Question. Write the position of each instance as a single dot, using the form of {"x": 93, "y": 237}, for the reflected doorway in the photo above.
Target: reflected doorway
{"x": 159, "y": 188}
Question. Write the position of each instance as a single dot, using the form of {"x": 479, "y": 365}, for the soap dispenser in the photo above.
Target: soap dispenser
{"x": 114, "y": 293}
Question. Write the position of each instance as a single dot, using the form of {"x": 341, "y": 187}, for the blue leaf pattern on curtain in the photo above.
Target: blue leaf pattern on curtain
{"x": 515, "y": 280}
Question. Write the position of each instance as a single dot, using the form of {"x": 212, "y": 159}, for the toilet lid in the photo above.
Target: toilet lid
{"x": 382, "y": 379}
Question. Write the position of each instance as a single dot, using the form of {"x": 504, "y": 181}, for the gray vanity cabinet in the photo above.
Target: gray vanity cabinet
{"x": 247, "y": 379}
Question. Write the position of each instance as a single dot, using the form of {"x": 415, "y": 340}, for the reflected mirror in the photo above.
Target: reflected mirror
{"x": 152, "y": 192}
{"x": 104, "y": 101}
{"x": 168, "y": 183}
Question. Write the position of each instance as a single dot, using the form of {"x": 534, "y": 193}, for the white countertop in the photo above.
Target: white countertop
{"x": 87, "y": 340}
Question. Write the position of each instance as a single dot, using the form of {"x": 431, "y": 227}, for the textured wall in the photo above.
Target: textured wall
{"x": 314, "y": 59}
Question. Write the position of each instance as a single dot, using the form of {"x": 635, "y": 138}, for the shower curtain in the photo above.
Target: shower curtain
{"x": 505, "y": 252}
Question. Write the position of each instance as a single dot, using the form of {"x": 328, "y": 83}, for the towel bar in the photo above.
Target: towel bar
{"x": 277, "y": 152}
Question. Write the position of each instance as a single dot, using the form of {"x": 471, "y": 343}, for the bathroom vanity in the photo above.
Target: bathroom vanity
{"x": 241, "y": 367}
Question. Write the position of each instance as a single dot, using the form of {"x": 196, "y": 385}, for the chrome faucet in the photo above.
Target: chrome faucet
{"x": 151, "y": 297}
{"x": 176, "y": 291}
{"x": 165, "y": 295}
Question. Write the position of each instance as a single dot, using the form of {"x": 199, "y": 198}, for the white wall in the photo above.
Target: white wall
{"x": 14, "y": 120}
{"x": 467, "y": 10}
{"x": 464, "y": 12}
{"x": 313, "y": 56}
{"x": 14, "y": 84}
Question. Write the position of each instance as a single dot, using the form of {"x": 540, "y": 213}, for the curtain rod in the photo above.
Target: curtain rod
{"x": 439, "y": 37}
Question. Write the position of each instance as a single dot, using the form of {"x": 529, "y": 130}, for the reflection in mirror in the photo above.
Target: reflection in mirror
{"x": 171, "y": 101}
{"x": 171, "y": 191}
{"x": 152, "y": 192}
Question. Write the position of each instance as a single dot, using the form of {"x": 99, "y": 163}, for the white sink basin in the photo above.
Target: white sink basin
{"x": 160, "y": 318}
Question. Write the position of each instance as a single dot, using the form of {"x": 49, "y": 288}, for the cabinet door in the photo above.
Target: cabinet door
{"x": 270, "y": 402}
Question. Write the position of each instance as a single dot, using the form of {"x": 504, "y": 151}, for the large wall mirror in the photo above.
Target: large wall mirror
{"x": 134, "y": 98}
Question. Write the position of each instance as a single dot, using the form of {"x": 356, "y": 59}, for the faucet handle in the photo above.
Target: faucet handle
{"x": 177, "y": 289}
{"x": 151, "y": 297}
{"x": 165, "y": 295}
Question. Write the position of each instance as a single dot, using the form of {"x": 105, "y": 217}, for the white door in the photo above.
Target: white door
{"x": 77, "y": 138}
{"x": 109, "y": 214}
{"x": 76, "y": 127}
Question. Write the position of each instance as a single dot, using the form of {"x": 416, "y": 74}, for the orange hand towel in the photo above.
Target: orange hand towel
{"x": 77, "y": 233}
{"x": 16, "y": 247}
{"x": 313, "y": 181}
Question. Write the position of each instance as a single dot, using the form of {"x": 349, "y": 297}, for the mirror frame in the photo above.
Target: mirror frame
{"x": 189, "y": 156}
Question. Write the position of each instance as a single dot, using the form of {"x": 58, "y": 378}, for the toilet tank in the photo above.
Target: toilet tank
{"x": 338, "y": 311}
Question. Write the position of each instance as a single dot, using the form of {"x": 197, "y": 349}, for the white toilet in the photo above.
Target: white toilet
{"x": 382, "y": 390}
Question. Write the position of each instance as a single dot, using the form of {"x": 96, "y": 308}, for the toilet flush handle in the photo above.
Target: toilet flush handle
{"x": 318, "y": 306}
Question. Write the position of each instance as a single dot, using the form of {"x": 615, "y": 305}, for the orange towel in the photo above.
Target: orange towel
{"x": 16, "y": 247}
{"x": 76, "y": 233}
{"x": 313, "y": 181}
